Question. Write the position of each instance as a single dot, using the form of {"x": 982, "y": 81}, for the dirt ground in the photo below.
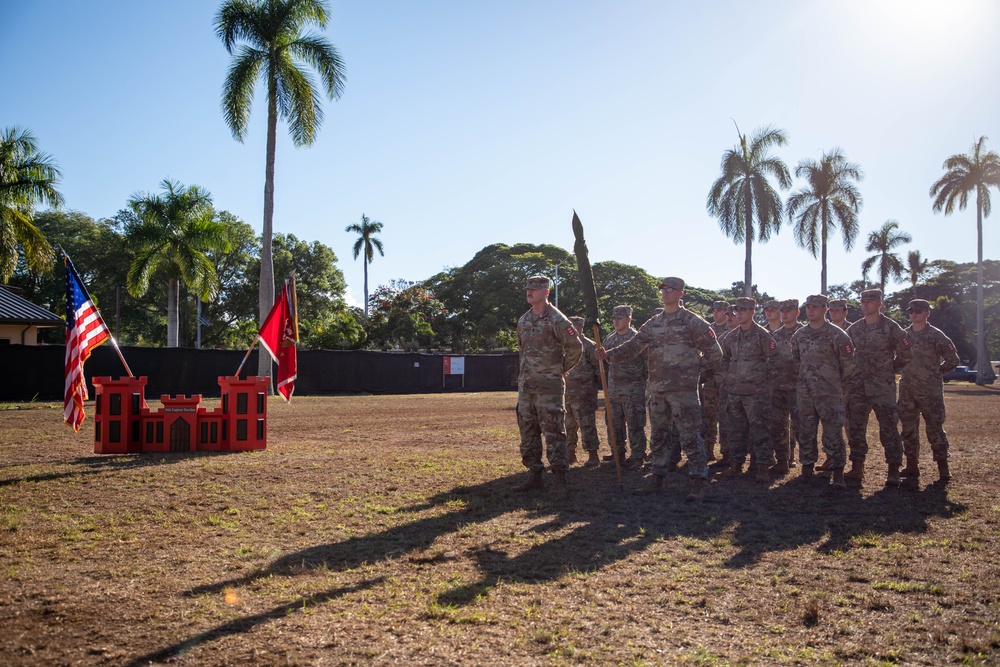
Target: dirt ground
{"x": 382, "y": 530}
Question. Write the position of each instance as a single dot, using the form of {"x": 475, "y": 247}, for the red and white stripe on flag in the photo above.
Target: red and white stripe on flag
{"x": 85, "y": 330}
{"x": 278, "y": 337}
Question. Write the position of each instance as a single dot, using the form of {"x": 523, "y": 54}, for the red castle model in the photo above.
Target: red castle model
{"x": 123, "y": 423}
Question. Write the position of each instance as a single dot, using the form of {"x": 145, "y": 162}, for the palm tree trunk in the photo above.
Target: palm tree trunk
{"x": 173, "y": 292}
{"x": 984, "y": 369}
{"x": 822, "y": 260}
{"x": 366, "y": 286}
{"x": 747, "y": 264}
{"x": 266, "y": 251}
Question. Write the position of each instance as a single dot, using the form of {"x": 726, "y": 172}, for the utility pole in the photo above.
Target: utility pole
{"x": 556, "y": 281}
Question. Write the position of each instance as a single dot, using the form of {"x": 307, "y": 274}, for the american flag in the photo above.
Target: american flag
{"x": 85, "y": 330}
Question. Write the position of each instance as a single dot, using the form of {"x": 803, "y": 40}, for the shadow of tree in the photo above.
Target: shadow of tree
{"x": 92, "y": 465}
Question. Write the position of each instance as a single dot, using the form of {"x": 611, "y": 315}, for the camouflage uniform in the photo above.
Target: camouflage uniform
{"x": 747, "y": 357}
{"x": 882, "y": 349}
{"x": 921, "y": 390}
{"x": 723, "y": 401}
{"x": 825, "y": 357}
{"x": 709, "y": 390}
{"x": 581, "y": 397}
{"x": 678, "y": 347}
{"x": 626, "y": 399}
{"x": 842, "y": 304}
{"x": 784, "y": 406}
{"x": 549, "y": 347}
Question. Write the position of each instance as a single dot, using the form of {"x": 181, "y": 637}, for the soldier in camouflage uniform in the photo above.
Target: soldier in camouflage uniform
{"x": 825, "y": 357}
{"x": 549, "y": 347}
{"x": 709, "y": 386}
{"x": 581, "y": 398}
{"x": 921, "y": 391}
{"x": 838, "y": 313}
{"x": 747, "y": 354}
{"x": 882, "y": 349}
{"x": 772, "y": 315}
{"x": 784, "y": 408}
{"x": 626, "y": 399}
{"x": 732, "y": 323}
{"x": 680, "y": 346}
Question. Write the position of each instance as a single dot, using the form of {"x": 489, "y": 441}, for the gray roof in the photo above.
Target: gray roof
{"x": 15, "y": 310}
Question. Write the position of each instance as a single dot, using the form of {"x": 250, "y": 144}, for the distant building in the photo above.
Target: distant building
{"x": 20, "y": 319}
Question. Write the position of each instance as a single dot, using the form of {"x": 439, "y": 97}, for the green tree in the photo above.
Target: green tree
{"x": 275, "y": 46}
{"x": 743, "y": 197}
{"x": 915, "y": 266}
{"x": 174, "y": 233}
{"x": 887, "y": 263}
{"x": 27, "y": 179}
{"x": 976, "y": 171}
{"x": 830, "y": 200}
{"x": 366, "y": 245}
{"x": 406, "y": 315}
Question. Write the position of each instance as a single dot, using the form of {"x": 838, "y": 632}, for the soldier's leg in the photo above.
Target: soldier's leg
{"x": 737, "y": 428}
{"x": 531, "y": 434}
{"x": 551, "y": 419}
{"x": 932, "y": 408}
{"x": 858, "y": 409}
{"x": 710, "y": 413}
{"x": 723, "y": 427}
{"x": 909, "y": 418}
{"x": 659, "y": 435}
{"x": 808, "y": 431}
{"x": 779, "y": 423}
{"x": 887, "y": 413}
{"x": 687, "y": 415}
{"x": 635, "y": 419}
{"x": 758, "y": 408}
{"x": 831, "y": 416}
{"x": 572, "y": 427}
{"x": 588, "y": 430}
{"x": 617, "y": 424}
{"x": 793, "y": 432}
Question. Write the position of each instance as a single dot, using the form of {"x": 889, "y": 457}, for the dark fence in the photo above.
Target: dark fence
{"x": 32, "y": 371}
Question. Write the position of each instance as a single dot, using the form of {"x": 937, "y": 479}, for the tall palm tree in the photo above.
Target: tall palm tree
{"x": 27, "y": 178}
{"x": 276, "y": 49}
{"x": 965, "y": 172}
{"x": 830, "y": 200}
{"x": 366, "y": 245}
{"x": 883, "y": 242}
{"x": 915, "y": 266}
{"x": 743, "y": 196}
{"x": 174, "y": 232}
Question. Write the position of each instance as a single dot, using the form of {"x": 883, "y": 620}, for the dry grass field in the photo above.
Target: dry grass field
{"x": 382, "y": 530}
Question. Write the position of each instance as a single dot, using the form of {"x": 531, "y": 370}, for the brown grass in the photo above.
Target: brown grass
{"x": 382, "y": 530}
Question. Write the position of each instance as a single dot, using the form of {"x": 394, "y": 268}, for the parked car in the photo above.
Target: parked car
{"x": 960, "y": 374}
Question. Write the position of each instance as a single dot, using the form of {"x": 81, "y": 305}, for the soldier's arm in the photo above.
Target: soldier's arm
{"x": 949, "y": 355}
{"x": 630, "y": 349}
{"x": 904, "y": 352}
{"x": 572, "y": 345}
{"x": 711, "y": 353}
{"x": 845, "y": 353}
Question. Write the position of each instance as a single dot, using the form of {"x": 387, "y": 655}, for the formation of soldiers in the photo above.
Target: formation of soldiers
{"x": 759, "y": 392}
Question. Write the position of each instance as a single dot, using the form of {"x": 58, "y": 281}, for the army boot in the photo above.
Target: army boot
{"x": 892, "y": 476}
{"x": 733, "y": 471}
{"x": 838, "y": 479}
{"x": 780, "y": 468}
{"x": 561, "y": 487}
{"x": 856, "y": 475}
{"x": 763, "y": 474}
{"x": 697, "y": 492}
{"x": 533, "y": 482}
{"x": 654, "y": 484}
{"x": 593, "y": 460}
{"x": 825, "y": 465}
{"x": 911, "y": 469}
{"x": 943, "y": 473}
{"x": 806, "y": 476}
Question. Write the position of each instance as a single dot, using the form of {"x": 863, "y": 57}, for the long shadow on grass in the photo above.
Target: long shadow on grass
{"x": 93, "y": 465}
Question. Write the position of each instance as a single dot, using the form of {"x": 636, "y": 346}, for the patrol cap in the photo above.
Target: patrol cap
{"x": 746, "y": 303}
{"x": 816, "y": 300}
{"x": 919, "y": 305}
{"x": 789, "y": 304}
{"x": 538, "y": 282}
{"x": 720, "y": 305}
{"x": 577, "y": 321}
{"x": 838, "y": 303}
{"x": 730, "y": 311}
{"x": 675, "y": 283}
{"x": 772, "y": 303}
{"x": 871, "y": 294}
{"x": 622, "y": 311}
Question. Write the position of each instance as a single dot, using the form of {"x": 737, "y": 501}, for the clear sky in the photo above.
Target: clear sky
{"x": 470, "y": 123}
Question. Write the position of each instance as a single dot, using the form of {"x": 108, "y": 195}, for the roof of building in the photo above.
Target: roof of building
{"x": 17, "y": 310}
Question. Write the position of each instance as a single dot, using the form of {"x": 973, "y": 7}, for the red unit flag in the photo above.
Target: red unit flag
{"x": 85, "y": 330}
{"x": 279, "y": 334}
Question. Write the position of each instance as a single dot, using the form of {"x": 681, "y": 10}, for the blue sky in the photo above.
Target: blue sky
{"x": 470, "y": 123}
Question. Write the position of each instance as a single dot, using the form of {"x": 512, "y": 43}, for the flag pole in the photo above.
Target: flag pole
{"x": 247, "y": 355}
{"x": 86, "y": 293}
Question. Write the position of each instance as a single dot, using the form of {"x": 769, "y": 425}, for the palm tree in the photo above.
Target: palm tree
{"x": 830, "y": 200}
{"x": 915, "y": 266}
{"x": 883, "y": 242}
{"x": 27, "y": 178}
{"x": 742, "y": 196}
{"x": 965, "y": 172}
{"x": 276, "y": 49}
{"x": 366, "y": 245}
{"x": 174, "y": 232}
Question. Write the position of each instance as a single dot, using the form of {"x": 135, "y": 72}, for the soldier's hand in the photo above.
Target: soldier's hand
{"x": 601, "y": 353}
